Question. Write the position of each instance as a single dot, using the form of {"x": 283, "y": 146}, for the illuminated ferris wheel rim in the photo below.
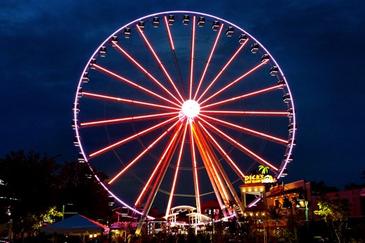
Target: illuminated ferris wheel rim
{"x": 194, "y": 107}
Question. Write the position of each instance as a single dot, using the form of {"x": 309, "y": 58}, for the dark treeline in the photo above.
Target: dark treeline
{"x": 34, "y": 183}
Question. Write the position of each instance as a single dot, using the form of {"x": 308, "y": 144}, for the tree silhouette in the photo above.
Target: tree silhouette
{"x": 37, "y": 183}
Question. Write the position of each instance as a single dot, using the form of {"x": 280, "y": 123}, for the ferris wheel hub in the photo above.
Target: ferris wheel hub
{"x": 190, "y": 109}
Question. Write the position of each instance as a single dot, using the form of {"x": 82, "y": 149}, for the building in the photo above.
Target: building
{"x": 354, "y": 198}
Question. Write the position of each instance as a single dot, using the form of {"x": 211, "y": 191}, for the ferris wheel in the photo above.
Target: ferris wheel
{"x": 178, "y": 107}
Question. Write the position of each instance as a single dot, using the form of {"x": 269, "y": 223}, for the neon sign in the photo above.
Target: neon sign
{"x": 260, "y": 178}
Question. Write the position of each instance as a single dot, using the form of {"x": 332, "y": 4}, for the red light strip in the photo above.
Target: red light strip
{"x": 195, "y": 171}
{"x": 224, "y": 175}
{"x": 248, "y": 113}
{"x": 208, "y": 169}
{"x": 127, "y": 119}
{"x": 125, "y": 140}
{"x": 120, "y": 49}
{"x": 131, "y": 163}
{"x": 216, "y": 174}
{"x": 176, "y": 171}
{"x": 214, "y": 164}
{"x": 208, "y": 156}
{"x": 223, "y": 69}
{"x": 230, "y": 161}
{"x": 247, "y": 130}
{"x": 244, "y": 96}
{"x": 208, "y": 61}
{"x": 159, "y": 61}
{"x": 121, "y": 78}
{"x": 159, "y": 179}
{"x": 128, "y": 101}
{"x": 167, "y": 149}
{"x": 192, "y": 57}
{"x": 240, "y": 146}
{"x": 171, "y": 40}
{"x": 235, "y": 81}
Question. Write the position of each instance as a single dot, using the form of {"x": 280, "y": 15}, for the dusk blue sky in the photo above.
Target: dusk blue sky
{"x": 318, "y": 44}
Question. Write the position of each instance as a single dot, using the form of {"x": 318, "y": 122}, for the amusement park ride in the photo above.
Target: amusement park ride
{"x": 182, "y": 105}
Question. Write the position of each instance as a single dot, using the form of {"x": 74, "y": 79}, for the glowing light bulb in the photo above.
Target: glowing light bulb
{"x": 190, "y": 108}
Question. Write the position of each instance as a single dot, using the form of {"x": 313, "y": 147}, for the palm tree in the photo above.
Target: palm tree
{"x": 263, "y": 169}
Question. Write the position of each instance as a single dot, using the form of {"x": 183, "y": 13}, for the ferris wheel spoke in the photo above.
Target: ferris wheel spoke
{"x": 216, "y": 165}
{"x": 134, "y": 136}
{"x": 236, "y": 80}
{"x": 176, "y": 171}
{"x": 171, "y": 40}
{"x": 248, "y": 113}
{"x": 172, "y": 47}
{"x": 217, "y": 187}
{"x": 144, "y": 70}
{"x": 157, "y": 184}
{"x": 127, "y": 101}
{"x": 247, "y": 130}
{"x": 164, "y": 157}
{"x": 230, "y": 161}
{"x": 223, "y": 69}
{"x": 209, "y": 59}
{"x": 224, "y": 175}
{"x": 212, "y": 180}
{"x": 212, "y": 160}
{"x": 195, "y": 171}
{"x": 192, "y": 57}
{"x": 127, "y": 81}
{"x": 244, "y": 149}
{"x": 246, "y": 95}
{"x": 127, "y": 119}
{"x": 159, "y": 61}
{"x": 148, "y": 148}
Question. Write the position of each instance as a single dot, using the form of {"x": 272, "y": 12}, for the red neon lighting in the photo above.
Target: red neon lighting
{"x": 208, "y": 61}
{"x": 236, "y": 80}
{"x": 167, "y": 149}
{"x": 129, "y": 101}
{"x": 209, "y": 157}
{"x": 121, "y": 78}
{"x": 171, "y": 40}
{"x": 228, "y": 158}
{"x": 176, "y": 171}
{"x": 119, "y": 48}
{"x": 159, "y": 61}
{"x": 123, "y": 141}
{"x": 130, "y": 164}
{"x": 247, "y": 130}
{"x": 240, "y": 146}
{"x": 208, "y": 169}
{"x": 192, "y": 58}
{"x": 223, "y": 69}
{"x": 225, "y": 177}
{"x": 195, "y": 171}
{"x": 215, "y": 172}
{"x": 127, "y": 119}
{"x": 244, "y": 96}
{"x": 248, "y": 113}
